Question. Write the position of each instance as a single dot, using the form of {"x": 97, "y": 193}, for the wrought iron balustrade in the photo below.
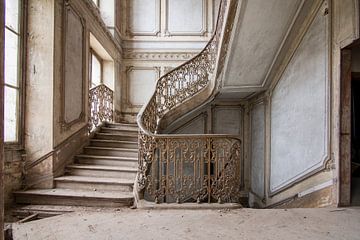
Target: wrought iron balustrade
{"x": 100, "y": 105}
{"x": 183, "y": 168}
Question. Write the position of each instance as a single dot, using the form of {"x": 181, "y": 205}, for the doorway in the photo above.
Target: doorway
{"x": 349, "y": 180}
{"x": 355, "y": 137}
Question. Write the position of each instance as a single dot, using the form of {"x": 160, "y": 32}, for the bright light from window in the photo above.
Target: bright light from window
{"x": 11, "y": 71}
{"x": 96, "y": 69}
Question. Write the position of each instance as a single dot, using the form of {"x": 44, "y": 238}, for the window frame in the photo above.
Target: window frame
{"x": 21, "y": 71}
{"x": 93, "y": 53}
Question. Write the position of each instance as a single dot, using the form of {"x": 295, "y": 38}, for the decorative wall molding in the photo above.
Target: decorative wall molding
{"x": 321, "y": 163}
{"x": 157, "y": 21}
{"x": 201, "y": 32}
{"x": 162, "y": 30}
{"x": 96, "y": 13}
{"x": 128, "y": 71}
{"x": 159, "y": 56}
{"x": 68, "y": 90}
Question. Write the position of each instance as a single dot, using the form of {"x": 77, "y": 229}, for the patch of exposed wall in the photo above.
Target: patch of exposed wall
{"x": 257, "y": 122}
{"x": 13, "y": 170}
{"x": 300, "y": 110}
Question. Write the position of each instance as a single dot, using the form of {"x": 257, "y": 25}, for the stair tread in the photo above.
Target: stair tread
{"x": 56, "y": 208}
{"x": 86, "y": 179}
{"x": 122, "y": 124}
{"x": 106, "y": 157}
{"x": 120, "y": 129}
{"x": 102, "y": 167}
{"x": 113, "y": 141}
{"x": 116, "y": 134}
{"x": 58, "y": 192}
{"x": 112, "y": 148}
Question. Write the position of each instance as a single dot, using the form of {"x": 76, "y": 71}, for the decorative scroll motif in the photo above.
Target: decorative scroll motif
{"x": 183, "y": 168}
{"x": 194, "y": 169}
{"x": 101, "y": 105}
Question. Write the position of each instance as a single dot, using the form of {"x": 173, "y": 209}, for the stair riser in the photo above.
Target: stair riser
{"x": 92, "y": 186}
{"x": 108, "y": 152}
{"x": 116, "y": 145}
{"x": 73, "y": 201}
{"x": 102, "y": 173}
{"x": 117, "y": 137}
{"x": 119, "y": 163}
{"x": 119, "y": 131}
{"x": 123, "y": 127}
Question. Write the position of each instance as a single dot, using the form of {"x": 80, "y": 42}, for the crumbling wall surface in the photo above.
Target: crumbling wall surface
{"x": 13, "y": 170}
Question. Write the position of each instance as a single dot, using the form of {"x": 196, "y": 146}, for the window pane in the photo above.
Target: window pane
{"x": 10, "y": 114}
{"x": 95, "y": 71}
{"x": 12, "y": 14}
{"x": 11, "y": 58}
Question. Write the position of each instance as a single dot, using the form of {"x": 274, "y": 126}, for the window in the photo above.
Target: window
{"x": 12, "y": 69}
{"x": 96, "y": 69}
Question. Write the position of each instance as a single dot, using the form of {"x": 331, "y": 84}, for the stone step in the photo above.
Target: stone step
{"x": 113, "y": 143}
{"x": 103, "y": 151}
{"x": 94, "y": 183}
{"x": 123, "y": 126}
{"x": 118, "y": 137}
{"x": 102, "y": 171}
{"x": 107, "y": 160}
{"x": 119, "y": 131}
{"x": 73, "y": 197}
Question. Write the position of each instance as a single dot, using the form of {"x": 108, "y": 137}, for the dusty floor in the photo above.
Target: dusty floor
{"x": 240, "y": 224}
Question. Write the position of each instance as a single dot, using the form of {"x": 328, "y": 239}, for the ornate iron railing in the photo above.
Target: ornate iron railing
{"x": 181, "y": 168}
{"x": 100, "y": 105}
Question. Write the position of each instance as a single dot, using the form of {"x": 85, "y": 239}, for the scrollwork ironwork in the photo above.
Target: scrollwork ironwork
{"x": 182, "y": 168}
{"x": 100, "y": 105}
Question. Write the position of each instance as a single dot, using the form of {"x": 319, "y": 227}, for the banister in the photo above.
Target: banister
{"x": 193, "y": 82}
{"x": 101, "y": 101}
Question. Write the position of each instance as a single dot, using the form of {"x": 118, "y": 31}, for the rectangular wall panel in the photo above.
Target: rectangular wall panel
{"x": 227, "y": 120}
{"x": 141, "y": 84}
{"x": 300, "y": 109}
{"x": 258, "y": 149}
{"x": 73, "y": 104}
{"x": 144, "y": 17}
{"x": 186, "y": 17}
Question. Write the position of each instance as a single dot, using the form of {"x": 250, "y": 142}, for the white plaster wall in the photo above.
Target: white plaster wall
{"x": 299, "y": 110}
{"x": 39, "y": 87}
{"x": 144, "y": 17}
{"x": 258, "y": 149}
{"x": 186, "y": 16}
{"x": 195, "y": 126}
{"x": 260, "y": 30}
{"x": 141, "y": 84}
{"x": 73, "y": 64}
{"x": 227, "y": 120}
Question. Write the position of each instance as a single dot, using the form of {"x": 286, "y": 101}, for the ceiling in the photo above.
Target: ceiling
{"x": 261, "y": 28}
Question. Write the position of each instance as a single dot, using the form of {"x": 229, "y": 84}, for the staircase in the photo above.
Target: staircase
{"x": 102, "y": 176}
